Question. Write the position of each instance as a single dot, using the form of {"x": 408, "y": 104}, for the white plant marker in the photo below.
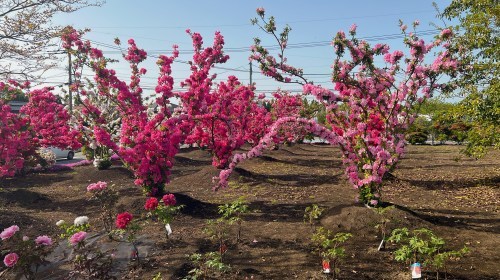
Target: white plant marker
{"x": 168, "y": 229}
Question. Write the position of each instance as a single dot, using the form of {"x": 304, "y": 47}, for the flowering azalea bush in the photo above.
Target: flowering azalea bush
{"x": 22, "y": 253}
{"x": 377, "y": 106}
{"x": 224, "y": 118}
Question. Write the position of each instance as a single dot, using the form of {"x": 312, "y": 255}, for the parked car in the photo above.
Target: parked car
{"x": 68, "y": 154}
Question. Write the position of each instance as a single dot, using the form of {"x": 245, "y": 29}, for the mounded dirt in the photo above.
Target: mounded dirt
{"x": 434, "y": 187}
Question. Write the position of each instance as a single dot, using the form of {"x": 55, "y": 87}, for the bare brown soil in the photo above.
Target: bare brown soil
{"x": 457, "y": 197}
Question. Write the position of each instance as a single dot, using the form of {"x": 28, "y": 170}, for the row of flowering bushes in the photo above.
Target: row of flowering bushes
{"x": 367, "y": 111}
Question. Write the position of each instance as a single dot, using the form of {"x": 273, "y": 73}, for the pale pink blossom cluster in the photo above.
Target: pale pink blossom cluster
{"x": 9, "y": 232}
{"x": 95, "y": 187}
{"x": 77, "y": 238}
{"x": 43, "y": 240}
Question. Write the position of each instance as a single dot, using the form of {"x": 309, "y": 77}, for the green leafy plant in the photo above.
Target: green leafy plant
{"x": 329, "y": 246}
{"x": 232, "y": 213}
{"x": 422, "y": 245}
{"x": 218, "y": 230}
{"x": 312, "y": 213}
{"x": 206, "y": 264}
{"x": 157, "y": 277}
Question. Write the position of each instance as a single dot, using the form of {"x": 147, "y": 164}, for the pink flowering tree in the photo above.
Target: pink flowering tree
{"x": 378, "y": 103}
{"x": 147, "y": 144}
{"x": 225, "y": 117}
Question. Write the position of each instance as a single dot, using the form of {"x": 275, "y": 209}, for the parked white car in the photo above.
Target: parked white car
{"x": 68, "y": 154}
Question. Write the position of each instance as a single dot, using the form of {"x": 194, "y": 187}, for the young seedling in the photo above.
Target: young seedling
{"x": 312, "y": 213}
{"x": 206, "y": 264}
{"x": 382, "y": 225}
{"x": 232, "y": 213}
{"x": 423, "y": 245}
{"x": 218, "y": 230}
{"x": 329, "y": 247}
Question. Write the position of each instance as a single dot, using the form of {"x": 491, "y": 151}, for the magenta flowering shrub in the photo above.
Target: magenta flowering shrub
{"x": 43, "y": 122}
{"x": 377, "y": 102}
{"x": 49, "y": 121}
{"x": 22, "y": 253}
{"x": 15, "y": 143}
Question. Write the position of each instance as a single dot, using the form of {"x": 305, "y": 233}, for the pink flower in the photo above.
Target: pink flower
{"x": 123, "y": 219}
{"x": 10, "y": 259}
{"x": 43, "y": 240}
{"x": 151, "y": 204}
{"x": 169, "y": 200}
{"x": 446, "y": 33}
{"x": 9, "y": 232}
{"x": 260, "y": 11}
{"x": 353, "y": 28}
{"x": 374, "y": 202}
{"x": 77, "y": 237}
{"x": 99, "y": 186}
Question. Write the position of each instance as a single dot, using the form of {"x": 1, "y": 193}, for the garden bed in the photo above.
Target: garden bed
{"x": 432, "y": 187}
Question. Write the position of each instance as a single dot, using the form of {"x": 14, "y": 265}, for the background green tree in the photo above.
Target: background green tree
{"x": 477, "y": 44}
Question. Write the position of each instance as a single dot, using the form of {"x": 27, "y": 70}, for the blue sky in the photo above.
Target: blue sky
{"x": 157, "y": 25}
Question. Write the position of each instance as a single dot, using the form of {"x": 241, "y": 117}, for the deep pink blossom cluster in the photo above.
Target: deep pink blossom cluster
{"x": 123, "y": 219}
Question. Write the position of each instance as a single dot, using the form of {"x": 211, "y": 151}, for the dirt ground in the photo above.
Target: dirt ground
{"x": 434, "y": 187}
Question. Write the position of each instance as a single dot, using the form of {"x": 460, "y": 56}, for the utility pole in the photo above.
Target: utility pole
{"x": 69, "y": 85}
{"x": 250, "y": 72}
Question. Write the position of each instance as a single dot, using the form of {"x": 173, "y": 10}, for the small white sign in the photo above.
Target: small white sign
{"x": 168, "y": 229}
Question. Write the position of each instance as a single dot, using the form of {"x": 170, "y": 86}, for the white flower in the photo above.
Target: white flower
{"x": 60, "y": 223}
{"x": 25, "y": 238}
{"x": 81, "y": 220}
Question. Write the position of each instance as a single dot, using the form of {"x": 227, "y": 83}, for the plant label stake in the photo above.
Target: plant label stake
{"x": 382, "y": 245}
{"x": 326, "y": 266}
{"x": 168, "y": 229}
{"x": 416, "y": 272}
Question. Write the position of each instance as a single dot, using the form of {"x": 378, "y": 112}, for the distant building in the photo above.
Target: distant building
{"x": 15, "y": 106}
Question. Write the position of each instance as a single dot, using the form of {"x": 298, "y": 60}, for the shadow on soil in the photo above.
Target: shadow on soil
{"x": 293, "y": 180}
